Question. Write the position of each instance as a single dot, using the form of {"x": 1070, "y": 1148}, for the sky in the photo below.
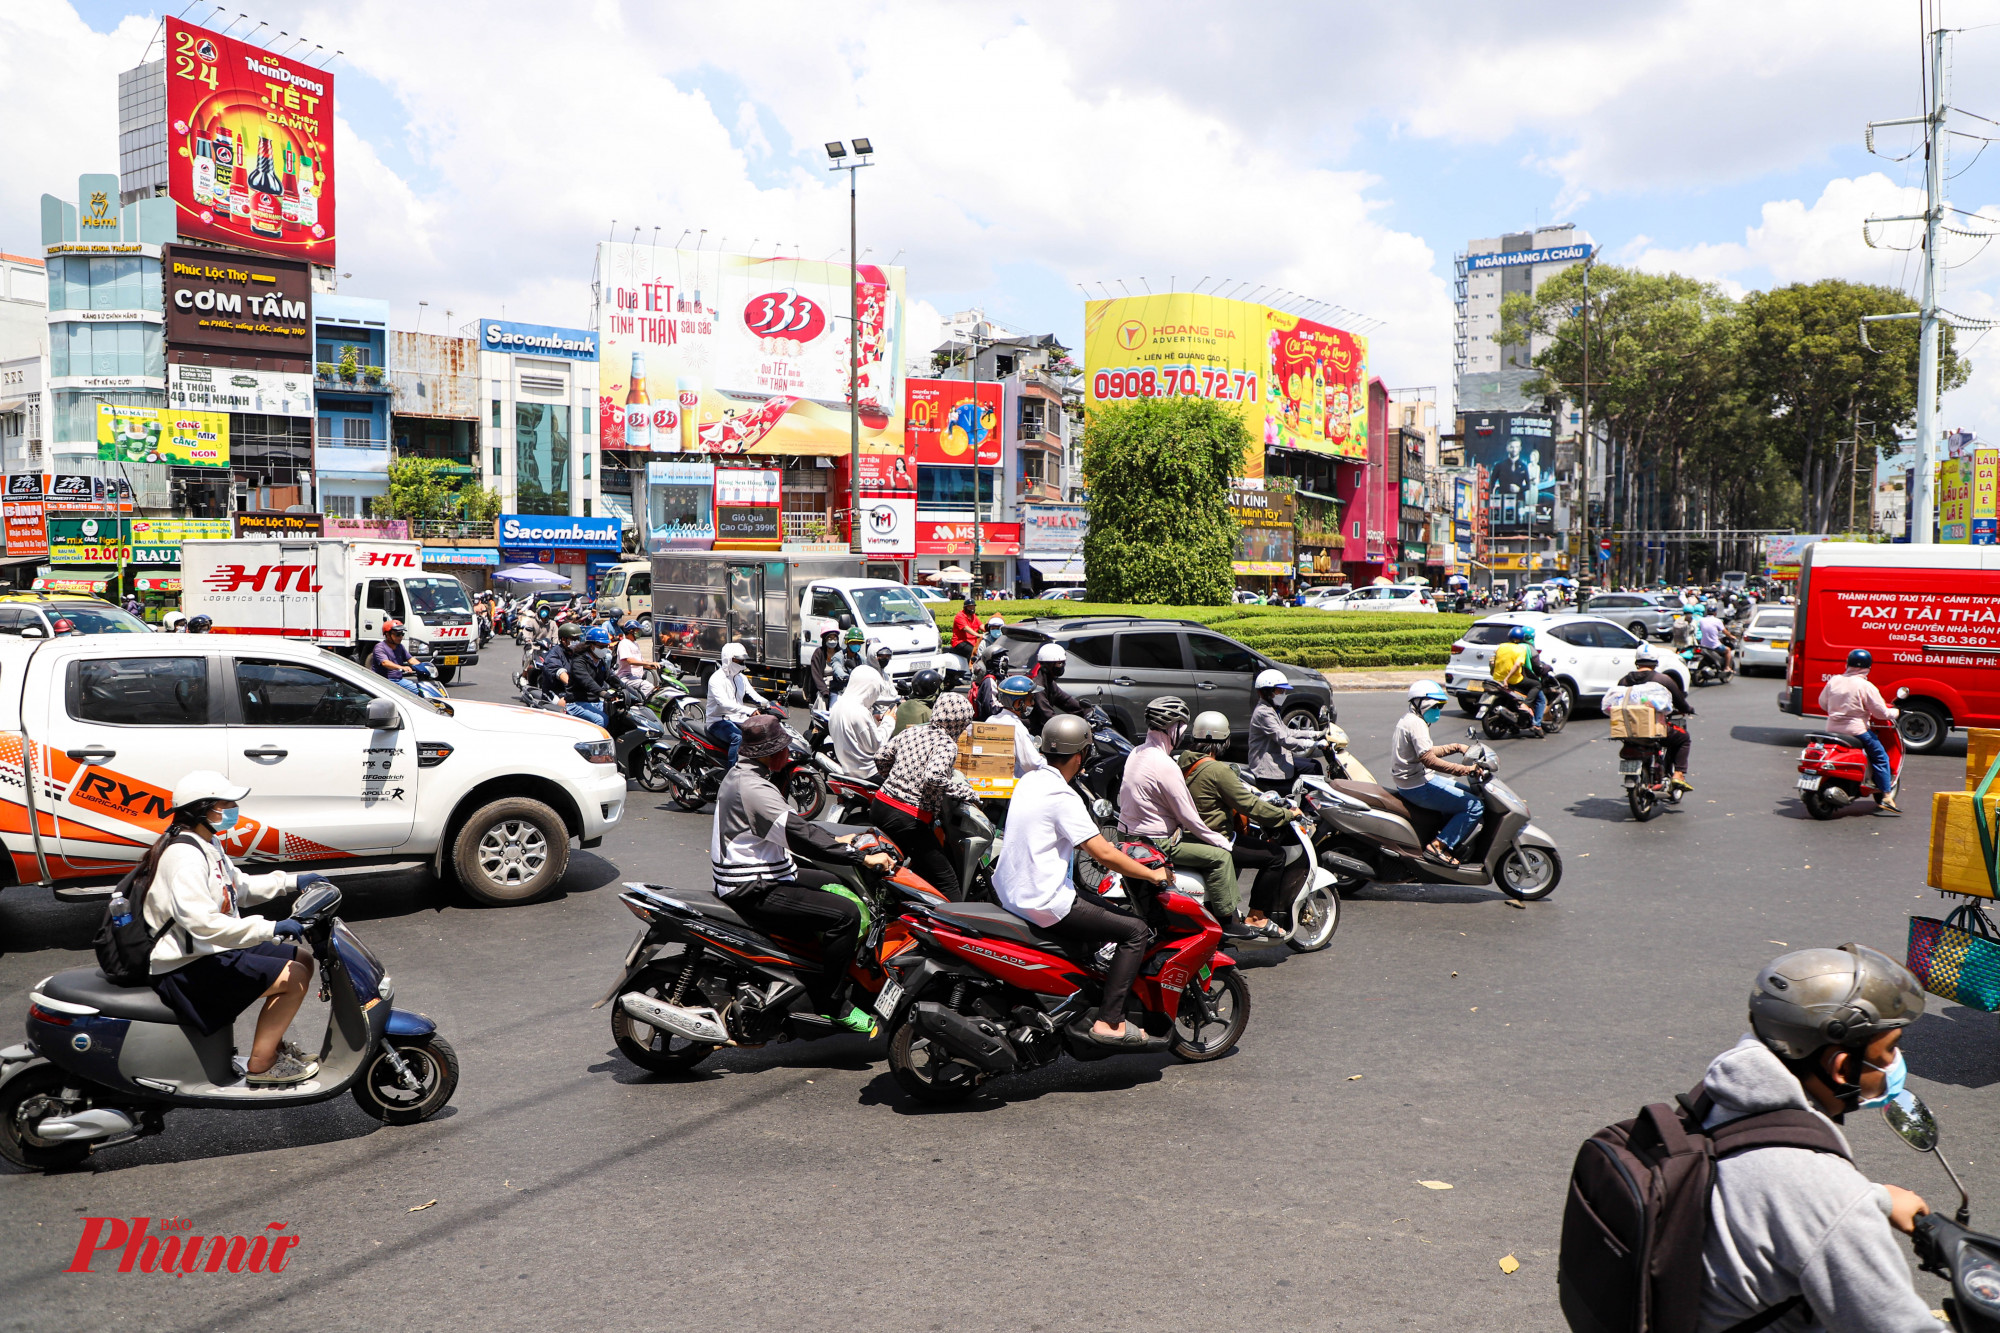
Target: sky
{"x": 1027, "y": 153}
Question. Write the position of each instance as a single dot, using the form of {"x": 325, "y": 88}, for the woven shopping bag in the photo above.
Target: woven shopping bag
{"x": 1958, "y": 958}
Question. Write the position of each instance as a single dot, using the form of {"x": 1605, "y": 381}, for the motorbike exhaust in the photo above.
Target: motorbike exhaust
{"x": 703, "y": 1025}
{"x": 979, "y": 1040}
{"x": 1346, "y": 865}
{"x": 1836, "y": 795}
{"x": 97, "y": 1123}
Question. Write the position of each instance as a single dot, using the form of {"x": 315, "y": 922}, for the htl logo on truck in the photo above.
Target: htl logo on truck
{"x": 264, "y": 578}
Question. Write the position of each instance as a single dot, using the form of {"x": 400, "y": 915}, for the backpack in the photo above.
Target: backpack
{"x": 1637, "y": 1217}
{"x": 123, "y": 942}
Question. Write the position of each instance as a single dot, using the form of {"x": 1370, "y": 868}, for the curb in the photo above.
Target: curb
{"x": 1395, "y": 679}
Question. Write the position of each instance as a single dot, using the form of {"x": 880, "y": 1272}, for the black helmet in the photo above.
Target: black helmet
{"x": 1860, "y": 657}
{"x": 927, "y": 684}
{"x": 200, "y": 625}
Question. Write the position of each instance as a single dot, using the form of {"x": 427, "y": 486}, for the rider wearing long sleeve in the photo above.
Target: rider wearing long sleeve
{"x": 1229, "y": 805}
{"x": 1050, "y": 697}
{"x": 1272, "y": 743}
{"x": 1853, "y": 705}
{"x": 919, "y": 771}
{"x": 1154, "y": 804}
{"x": 1645, "y": 671}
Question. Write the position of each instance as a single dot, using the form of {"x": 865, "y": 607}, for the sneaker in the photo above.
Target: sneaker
{"x": 283, "y": 1072}
{"x": 858, "y": 1020}
{"x": 297, "y": 1052}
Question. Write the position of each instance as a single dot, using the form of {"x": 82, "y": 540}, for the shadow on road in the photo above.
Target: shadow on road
{"x": 1424, "y": 893}
{"x": 1785, "y": 738}
{"x": 1611, "y": 810}
{"x": 1954, "y": 1045}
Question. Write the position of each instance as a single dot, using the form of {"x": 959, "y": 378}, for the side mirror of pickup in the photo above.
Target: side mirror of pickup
{"x": 383, "y": 715}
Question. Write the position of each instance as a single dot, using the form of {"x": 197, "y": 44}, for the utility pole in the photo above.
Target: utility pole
{"x": 1586, "y": 551}
{"x": 838, "y": 153}
{"x": 976, "y": 439}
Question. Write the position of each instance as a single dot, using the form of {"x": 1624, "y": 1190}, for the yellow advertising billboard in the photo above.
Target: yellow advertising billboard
{"x": 1297, "y": 383}
{"x": 162, "y": 435}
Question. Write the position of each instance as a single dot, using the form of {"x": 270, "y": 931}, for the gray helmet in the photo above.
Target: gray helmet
{"x": 1066, "y": 734}
{"x": 1209, "y": 726}
{"x": 1168, "y": 710}
{"x": 1813, "y": 998}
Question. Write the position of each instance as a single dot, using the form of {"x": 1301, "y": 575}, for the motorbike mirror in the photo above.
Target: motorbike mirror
{"x": 1909, "y": 1117}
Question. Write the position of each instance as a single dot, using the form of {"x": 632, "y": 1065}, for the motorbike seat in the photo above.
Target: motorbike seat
{"x": 1372, "y": 794}
{"x": 1828, "y": 738}
{"x": 695, "y": 727}
{"x": 992, "y": 919}
{"x": 87, "y": 985}
{"x": 710, "y": 906}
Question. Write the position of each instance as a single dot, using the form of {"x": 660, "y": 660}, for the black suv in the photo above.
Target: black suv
{"x": 1123, "y": 663}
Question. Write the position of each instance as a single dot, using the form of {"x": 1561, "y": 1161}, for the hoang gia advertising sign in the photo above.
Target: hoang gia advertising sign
{"x": 1296, "y": 383}
{"x": 162, "y": 435}
{"x": 249, "y": 145}
{"x": 705, "y": 353}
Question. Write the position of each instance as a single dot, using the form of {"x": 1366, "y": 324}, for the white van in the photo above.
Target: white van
{"x": 884, "y": 610}
{"x": 629, "y": 587}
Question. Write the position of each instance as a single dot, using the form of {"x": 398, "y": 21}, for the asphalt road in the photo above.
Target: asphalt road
{"x": 1446, "y": 1036}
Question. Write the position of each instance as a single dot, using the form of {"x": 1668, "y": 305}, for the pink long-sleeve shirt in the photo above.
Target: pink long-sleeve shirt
{"x": 1154, "y": 801}
{"x": 1850, "y": 700}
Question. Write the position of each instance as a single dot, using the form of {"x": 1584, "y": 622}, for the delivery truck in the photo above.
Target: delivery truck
{"x": 331, "y": 592}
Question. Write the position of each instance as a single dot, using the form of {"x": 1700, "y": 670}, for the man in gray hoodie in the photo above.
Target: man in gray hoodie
{"x": 1787, "y": 1224}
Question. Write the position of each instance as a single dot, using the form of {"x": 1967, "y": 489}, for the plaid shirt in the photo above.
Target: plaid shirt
{"x": 921, "y": 763}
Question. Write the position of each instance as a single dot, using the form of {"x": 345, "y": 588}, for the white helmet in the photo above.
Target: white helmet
{"x": 1052, "y": 652}
{"x": 172, "y": 620}
{"x": 205, "y": 785}
{"x": 1272, "y": 679}
{"x": 993, "y": 622}
{"x": 1427, "y": 691}
{"x": 734, "y": 652}
{"x": 1210, "y": 726}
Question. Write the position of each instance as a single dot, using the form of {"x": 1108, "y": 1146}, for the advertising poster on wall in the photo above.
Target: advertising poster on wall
{"x": 1295, "y": 383}
{"x": 746, "y": 507}
{"x": 162, "y": 435}
{"x": 889, "y": 525}
{"x": 27, "y": 527}
{"x": 1954, "y": 502}
{"x": 249, "y": 145}
{"x": 223, "y": 389}
{"x": 680, "y": 506}
{"x": 706, "y": 353}
{"x": 242, "y": 302}
{"x": 949, "y": 419}
{"x": 1517, "y": 451}
{"x": 1985, "y": 519}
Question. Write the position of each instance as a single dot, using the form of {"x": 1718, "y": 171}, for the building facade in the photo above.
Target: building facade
{"x": 351, "y": 404}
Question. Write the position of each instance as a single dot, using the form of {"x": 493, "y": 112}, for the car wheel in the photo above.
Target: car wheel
{"x": 446, "y": 675}
{"x": 1303, "y": 719}
{"x": 512, "y": 850}
{"x": 1639, "y": 630}
{"x": 1468, "y": 704}
{"x": 1923, "y": 726}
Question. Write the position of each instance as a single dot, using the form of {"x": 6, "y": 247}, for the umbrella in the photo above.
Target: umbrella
{"x": 531, "y": 574}
{"x": 953, "y": 574}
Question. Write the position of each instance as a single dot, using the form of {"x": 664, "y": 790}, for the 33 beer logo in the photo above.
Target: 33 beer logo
{"x": 784, "y": 315}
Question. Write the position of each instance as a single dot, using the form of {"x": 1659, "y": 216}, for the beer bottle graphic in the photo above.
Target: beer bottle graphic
{"x": 638, "y": 429}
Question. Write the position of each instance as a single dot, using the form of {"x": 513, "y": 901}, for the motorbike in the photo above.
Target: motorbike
{"x": 1969, "y": 1259}
{"x": 1364, "y": 832}
{"x": 635, "y": 739}
{"x": 1644, "y": 767}
{"x": 1704, "y": 669}
{"x": 1303, "y": 895}
{"x": 1104, "y": 771}
{"x": 1341, "y": 762}
{"x": 689, "y": 767}
{"x": 103, "y": 1064}
{"x": 1833, "y": 770}
{"x": 701, "y": 976}
{"x": 1503, "y": 713}
{"x": 983, "y": 993}
{"x": 422, "y": 681}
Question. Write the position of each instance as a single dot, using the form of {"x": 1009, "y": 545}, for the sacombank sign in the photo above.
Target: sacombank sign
{"x": 567, "y": 532}
{"x": 498, "y": 335}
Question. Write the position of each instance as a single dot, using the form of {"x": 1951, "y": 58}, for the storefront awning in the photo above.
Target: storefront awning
{"x": 1058, "y": 569}
{"x": 70, "y": 580}
{"x": 157, "y": 582}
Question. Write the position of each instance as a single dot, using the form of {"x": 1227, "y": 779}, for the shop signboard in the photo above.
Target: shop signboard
{"x": 1955, "y": 501}
{"x": 1296, "y": 383}
{"x": 500, "y": 335}
{"x": 89, "y": 541}
{"x": 362, "y": 529}
{"x": 566, "y": 531}
{"x": 242, "y": 302}
{"x": 951, "y": 419}
{"x": 257, "y": 524}
{"x": 277, "y": 393}
{"x": 956, "y": 538}
{"x": 1985, "y": 520}
{"x": 889, "y": 525}
{"x": 168, "y": 435}
{"x": 709, "y": 353}
{"x": 1517, "y": 451}
{"x": 27, "y": 529}
{"x": 1053, "y": 529}
{"x": 81, "y": 493}
{"x": 680, "y": 506}
{"x": 249, "y": 145}
{"x": 747, "y": 507}
{"x": 461, "y": 555}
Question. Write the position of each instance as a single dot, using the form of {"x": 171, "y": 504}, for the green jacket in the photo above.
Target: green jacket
{"x": 1219, "y": 793}
{"x": 911, "y": 713}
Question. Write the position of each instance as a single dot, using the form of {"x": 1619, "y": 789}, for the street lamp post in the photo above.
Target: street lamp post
{"x": 972, "y": 337}
{"x": 838, "y": 152}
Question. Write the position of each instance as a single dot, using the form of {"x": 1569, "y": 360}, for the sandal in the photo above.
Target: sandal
{"x": 1440, "y": 853}
{"x": 1133, "y": 1035}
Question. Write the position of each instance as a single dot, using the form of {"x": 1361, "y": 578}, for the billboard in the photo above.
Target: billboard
{"x": 162, "y": 435}
{"x": 499, "y": 335}
{"x": 1554, "y": 254}
{"x": 1954, "y": 503}
{"x": 27, "y": 529}
{"x": 245, "y": 303}
{"x": 1517, "y": 451}
{"x": 278, "y": 393}
{"x": 948, "y": 420}
{"x": 249, "y": 146}
{"x": 1296, "y": 383}
{"x": 707, "y": 353}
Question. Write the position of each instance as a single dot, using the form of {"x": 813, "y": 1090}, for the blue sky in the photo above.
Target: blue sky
{"x": 1026, "y": 148}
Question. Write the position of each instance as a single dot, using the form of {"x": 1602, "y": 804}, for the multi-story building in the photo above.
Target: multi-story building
{"x": 24, "y": 346}
{"x": 21, "y": 413}
{"x": 1487, "y": 376}
{"x": 351, "y": 404}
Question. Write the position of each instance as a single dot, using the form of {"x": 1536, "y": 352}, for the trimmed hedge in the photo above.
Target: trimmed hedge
{"x": 1298, "y": 635}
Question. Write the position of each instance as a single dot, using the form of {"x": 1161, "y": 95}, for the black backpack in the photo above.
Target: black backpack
{"x": 124, "y": 944}
{"x": 1638, "y": 1214}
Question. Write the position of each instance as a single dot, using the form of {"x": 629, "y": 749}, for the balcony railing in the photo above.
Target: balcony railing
{"x": 363, "y": 379}
{"x": 442, "y": 529}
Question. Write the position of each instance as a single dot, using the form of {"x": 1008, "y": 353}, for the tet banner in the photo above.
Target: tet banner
{"x": 249, "y": 146}
{"x": 162, "y": 435}
{"x": 1955, "y": 501}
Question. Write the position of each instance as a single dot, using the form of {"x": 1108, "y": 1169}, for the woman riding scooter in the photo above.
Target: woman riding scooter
{"x": 1413, "y": 761}
{"x": 1850, "y": 702}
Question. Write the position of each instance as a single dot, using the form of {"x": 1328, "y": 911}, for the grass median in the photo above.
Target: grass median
{"x": 1301, "y": 635}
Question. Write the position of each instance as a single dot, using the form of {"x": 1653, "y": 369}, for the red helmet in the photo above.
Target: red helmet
{"x": 392, "y": 627}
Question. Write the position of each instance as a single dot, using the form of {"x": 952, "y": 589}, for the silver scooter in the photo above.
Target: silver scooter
{"x": 1365, "y": 832}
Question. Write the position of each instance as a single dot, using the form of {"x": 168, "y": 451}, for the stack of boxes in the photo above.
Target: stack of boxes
{"x": 986, "y": 757}
{"x": 1958, "y": 862}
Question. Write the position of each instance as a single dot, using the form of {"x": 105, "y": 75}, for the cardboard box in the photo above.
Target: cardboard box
{"x": 986, "y": 750}
{"x": 1982, "y": 746}
{"x": 1957, "y": 861}
{"x": 1637, "y": 722}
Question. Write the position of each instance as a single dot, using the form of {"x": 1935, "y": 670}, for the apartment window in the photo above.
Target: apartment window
{"x": 586, "y": 468}
{"x": 1033, "y": 419}
{"x": 541, "y": 457}
{"x": 1357, "y": 529}
{"x": 338, "y": 506}
{"x": 496, "y": 458}
{"x": 1034, "y": 467}
{"x": 496, "y": 414}
{"x": 952, "y": 486}
{"x": 586, "y": 509}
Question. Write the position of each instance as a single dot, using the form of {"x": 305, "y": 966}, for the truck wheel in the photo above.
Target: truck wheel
{"x": 1923, "y": 726}
{"x": 446, "y": 675}
{"x": 512, "y": 850}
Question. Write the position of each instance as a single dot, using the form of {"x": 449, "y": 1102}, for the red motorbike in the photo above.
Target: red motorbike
{"x": 1833, "y": 770}
{"x": 980, "y": 992}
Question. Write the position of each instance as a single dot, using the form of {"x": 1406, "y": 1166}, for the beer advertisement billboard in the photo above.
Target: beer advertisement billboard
{"x": 1295, "y": 383}
{"x": 249, "y": 146}
{"x": 705, "y": 353}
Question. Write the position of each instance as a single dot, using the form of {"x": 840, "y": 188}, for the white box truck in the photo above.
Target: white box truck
{"x": 332, "y": 592}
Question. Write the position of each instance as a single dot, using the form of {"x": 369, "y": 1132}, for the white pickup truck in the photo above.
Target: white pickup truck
{"x": 345, "y": 770}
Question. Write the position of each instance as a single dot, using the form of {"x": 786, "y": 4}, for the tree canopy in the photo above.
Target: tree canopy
{"x": 1160, "y": 527}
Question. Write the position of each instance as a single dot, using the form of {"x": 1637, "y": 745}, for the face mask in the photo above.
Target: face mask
{"x": 604, "y": 654}
{"x": 1432, "y": 713}
{"x": 1892, "y": 1086}
{"x": 1052, "y": 670}
{"x": 224, "y": 820}
{"x": 733, "y": 667}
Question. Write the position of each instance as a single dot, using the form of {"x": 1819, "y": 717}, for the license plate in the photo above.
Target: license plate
{"x": 448, "y": 661}
{"x": 1809, "y": 782}
{"x": 1782, "y": 645}
{"x": 885, "y": 1003}
{"x": 1628, "y": 765}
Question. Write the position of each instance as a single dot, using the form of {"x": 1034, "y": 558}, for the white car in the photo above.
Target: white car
{"x": 1588, "y": 653}
{"x": 1061, "y": 595}
{"x": 346, "y": 771}
{"x": 928, "y": 594}
{"x": 1412, "y": 597}
{"x": 1768, "y": 640}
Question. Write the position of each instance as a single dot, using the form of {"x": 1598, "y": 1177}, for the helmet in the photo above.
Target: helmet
{"x": 569, "y": 633}
{"x": 1811, "y": 998}
{"x": 994, "y": 622}
{"x": 853, "y": 635}
{"x": 1052, "y": 654}
{"x": 597, "y": 635}
{"x": 632, "y": 627}
{"x": 205, "y": 785}
{"x": 388, "y": 626}
{"x": 734, "y": 652}
{"x": 1016, "y": 688}
{"x": 1066, "y": 734}
{"x": 1166, "y": 711}
{"x": 172, "y": 620}
{"x": 1860, "y": 657}
{"x": 927, "y": 684}
{"x": 1645, "y": 656}
{"x": 1209, "y": 726}
{"x": 1427, "y": 692}
{"x": 198, "y": 625}
{"x": 881, "y": 651}
{"x": 1272, "y": 679}
{"x": 830, "y": 632}
{"x": 763, "y": 736}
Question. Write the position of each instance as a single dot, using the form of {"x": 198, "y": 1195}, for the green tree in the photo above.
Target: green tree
{"x": 1160, "y": 527}
{"x": 425, "y": 491}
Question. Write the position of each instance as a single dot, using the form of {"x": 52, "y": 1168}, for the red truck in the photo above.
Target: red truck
{"x": 1930, "y": 615}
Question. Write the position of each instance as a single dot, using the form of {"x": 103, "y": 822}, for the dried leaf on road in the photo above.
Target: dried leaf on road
{"x": 420, "y": 1207}
{"x": 1780, "y": 943}
{"x": 1352, "y": 1077}
{"x": 1509, "y": 1263}
{"x": 1427, "y": 1184}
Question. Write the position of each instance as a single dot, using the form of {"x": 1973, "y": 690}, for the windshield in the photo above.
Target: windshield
{"x": 1492, "y": 632}
{"x": 614, "y": 584}
{"x": 92, "y": 619}
{"x": 890, "y": 606}
{"x": 430, "y": 596}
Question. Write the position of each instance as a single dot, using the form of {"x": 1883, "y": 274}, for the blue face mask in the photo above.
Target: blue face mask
{"x": 224, "y": 819}
{"x": 1892, "y": 1086}
{"x": 1432, "y": 713}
